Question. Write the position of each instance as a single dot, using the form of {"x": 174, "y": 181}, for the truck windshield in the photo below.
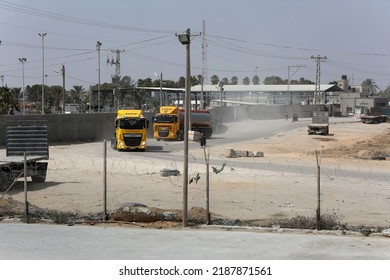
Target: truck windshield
{"x": 165, "y": 119}
{"x": 132, "y": 123}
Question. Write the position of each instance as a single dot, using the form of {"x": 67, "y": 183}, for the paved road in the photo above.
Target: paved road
{"x": 54, "y": 242}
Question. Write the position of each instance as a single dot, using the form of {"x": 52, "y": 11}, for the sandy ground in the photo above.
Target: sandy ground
{"x": 75, "y": 177}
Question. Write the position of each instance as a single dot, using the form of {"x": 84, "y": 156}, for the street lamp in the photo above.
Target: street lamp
{"x": 23, "y": 60}
{"x": 185, "y": 39}
{"x": 2, "y": 80}
{"x": 161, "y": 98}
{"x": 42, "y": 35}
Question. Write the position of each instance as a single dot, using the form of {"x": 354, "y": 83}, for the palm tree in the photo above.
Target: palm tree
{"x": 8, "y": 101}
{"x": 369, "y": 87}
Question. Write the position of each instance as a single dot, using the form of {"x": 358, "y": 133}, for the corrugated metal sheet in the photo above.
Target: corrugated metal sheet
{"x": 265, "y": 88}
{"x": 32, "y": 139}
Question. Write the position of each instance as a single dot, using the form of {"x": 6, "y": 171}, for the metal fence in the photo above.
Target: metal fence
{"x": 355, "y": 192}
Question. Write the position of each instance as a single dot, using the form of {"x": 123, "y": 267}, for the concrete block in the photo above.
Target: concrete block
{"x": 243, "y": 153}
{"x": 194, "y": 135}
{"x": 232, "y": 153}
{"x": 258, "y": 154}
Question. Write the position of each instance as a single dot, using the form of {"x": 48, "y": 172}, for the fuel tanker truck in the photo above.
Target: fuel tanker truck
{"x": 130, "y": 130}
{"x": 169, "y": 123}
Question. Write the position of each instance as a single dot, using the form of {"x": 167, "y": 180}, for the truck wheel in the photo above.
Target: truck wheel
{"x": 113, "y": 143}
{"x": 41, "y": 170}
{"x": 4, "y": 180}
{"x": 180, "y": 136}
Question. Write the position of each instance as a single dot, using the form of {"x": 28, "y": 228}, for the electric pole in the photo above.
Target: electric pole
{"x": 42, "y": 35}
{"x": 98, "y": 45}
{"x": 204, "y": 63}
{"x": 318, "y": 60}
{"x": 117, "y": 76}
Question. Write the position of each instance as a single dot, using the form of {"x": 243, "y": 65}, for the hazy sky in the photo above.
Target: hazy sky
{"x": 244, "y": 38}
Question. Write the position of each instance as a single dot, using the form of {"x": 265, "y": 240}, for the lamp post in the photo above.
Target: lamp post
{"x": 42, "y": 35}
{"x": 23, "y": 60}
{"x": 2, "y": 80}
{"x": 161, "y": 97}
{"x": 185, "y": 39}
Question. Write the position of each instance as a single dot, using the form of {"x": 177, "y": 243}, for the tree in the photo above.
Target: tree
{"x": 301, "y": 81}
{"x": 224, "y": 81}
{"x": 145, "y": 82}
{"x": 77, "y": 94}
{"x": 369, "y": 87}
{"x": 127, "y": 82}
{"x": 8, "y": 101}
{"x": 256, "y": 80}
{"x": 55, "y": 96}
{"x": 246, "y": 81}
{"x": 181, "y": 83}
{"x": 234, "y": 80}
{"x": 214, "y": 79}
{"x": 274, "y": 80}
{"x": 386, "y": 92}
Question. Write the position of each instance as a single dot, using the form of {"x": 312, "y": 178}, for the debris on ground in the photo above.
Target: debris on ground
{"x": 169, "y": 172}
{"x": 233, "y": 153}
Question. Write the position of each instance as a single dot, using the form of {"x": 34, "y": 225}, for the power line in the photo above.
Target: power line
{"x": 59, "y": 17}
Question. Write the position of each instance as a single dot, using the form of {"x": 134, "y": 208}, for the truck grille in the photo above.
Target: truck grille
{"x": 163, "y": 133}
{"x": 132, "y": 139}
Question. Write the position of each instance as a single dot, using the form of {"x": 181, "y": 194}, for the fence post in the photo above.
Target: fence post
{"x": 206, "y": 158}
{"x": 105, "y": 180}
{"x": 25, "y": 188}
{"x": 318, "y": 212}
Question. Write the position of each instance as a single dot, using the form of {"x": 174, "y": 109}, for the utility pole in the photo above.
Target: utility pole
{"x": 185, "y": 39}
{"x": 204, "y": 63}
{"x": 117, "y": 62}
{"x": 318, "y": 60}
{"x": 42, "y": 35}
{"x": 98, "y": 44}
{"x": 23, "y": 60}
{"x": 63, "y": 88}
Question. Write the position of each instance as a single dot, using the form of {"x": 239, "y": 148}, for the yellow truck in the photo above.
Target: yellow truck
{"x": 130, "y": 130}
{"x": 168, "y": 124}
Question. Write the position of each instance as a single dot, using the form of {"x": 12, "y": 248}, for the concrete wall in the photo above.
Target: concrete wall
{"x": 67, "y": 128}
{"x": 76, "y": 128}
{"x": 262, "y": 112}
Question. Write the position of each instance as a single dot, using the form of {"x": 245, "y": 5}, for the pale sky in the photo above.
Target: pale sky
{"x": 244, "y": 38}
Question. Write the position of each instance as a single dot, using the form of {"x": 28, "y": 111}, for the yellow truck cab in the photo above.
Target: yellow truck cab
{"x": 166, "y": 124}
{"x": 169, "y": 123}
{"x": 130, "y": 130}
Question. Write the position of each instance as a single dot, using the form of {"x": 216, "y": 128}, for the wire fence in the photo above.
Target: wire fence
{"x": 355, "y": 191}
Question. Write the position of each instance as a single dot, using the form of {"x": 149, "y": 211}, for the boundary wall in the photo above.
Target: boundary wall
{"x": 91, "y": 127}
